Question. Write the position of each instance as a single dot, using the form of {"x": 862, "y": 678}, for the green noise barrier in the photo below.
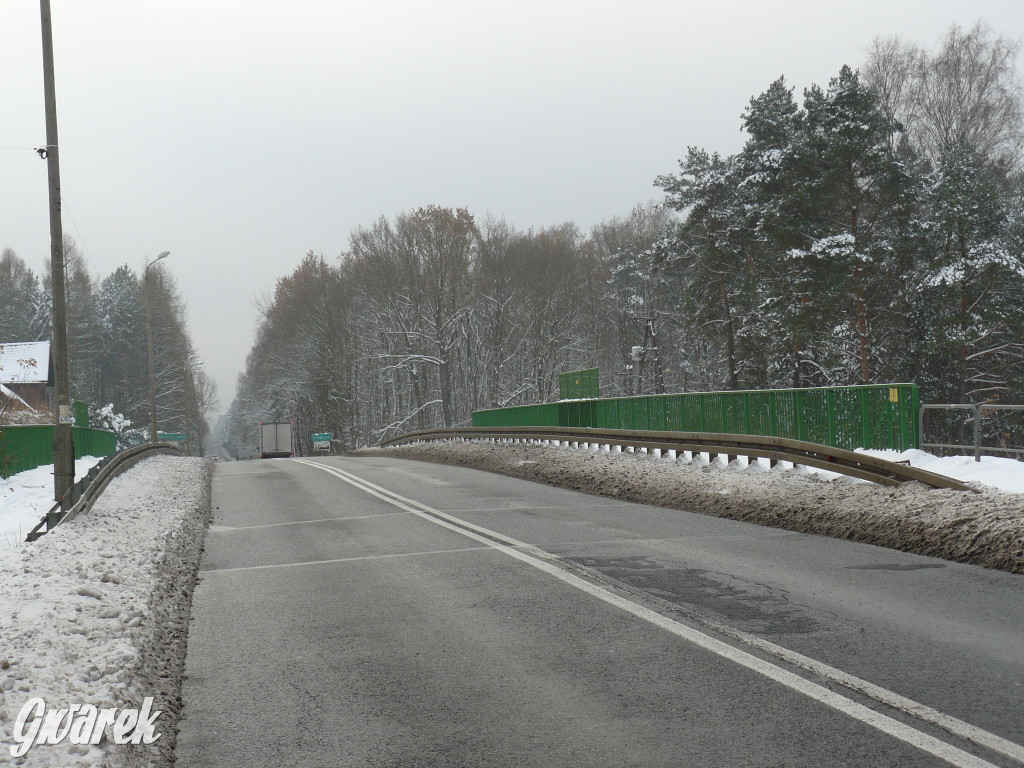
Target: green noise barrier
{"x": 579, "y": 385}
{"x": 872, "y": 416}
{"x": 27, "y": 447}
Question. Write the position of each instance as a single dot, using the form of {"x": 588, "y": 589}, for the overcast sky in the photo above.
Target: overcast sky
{"x": 241, "y": 135}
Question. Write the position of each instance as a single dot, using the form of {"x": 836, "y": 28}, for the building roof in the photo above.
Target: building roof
{"x": 25, "y": 362}
{"x": 5, "y": 392}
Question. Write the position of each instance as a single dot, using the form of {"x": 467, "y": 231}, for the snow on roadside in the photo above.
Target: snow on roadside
{"x": 1005, "y": 474}
{"x": 96, "y": 611}
{"x": 993, "y": 471}
{"x": 27, "y": 496}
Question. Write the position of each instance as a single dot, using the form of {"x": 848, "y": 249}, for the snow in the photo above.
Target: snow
{"x": 109, "y": 419}
{"x": 25, "y": 362}
{"x": 96, "y": 612}
{"x": 27, "y": 496}
{"x": 993, "y": 471}
{"x": 1005, "y": 474}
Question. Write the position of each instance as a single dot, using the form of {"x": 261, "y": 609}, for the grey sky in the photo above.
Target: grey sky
{"x": 240, "y": 135}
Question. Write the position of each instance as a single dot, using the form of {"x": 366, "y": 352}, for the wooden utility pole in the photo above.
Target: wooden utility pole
{"x": 63, "y": 438}
{"x": 649, "y": 354}
{"x": 186, "y": 395}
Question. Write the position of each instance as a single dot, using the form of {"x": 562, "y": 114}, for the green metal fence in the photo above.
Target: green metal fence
{"x": 545, "y": 415}
{"x": 579, "y": 385}
{"x": 27, "y": 447}
{"x": 81, "y": 413}
{"x": 874, "y": 416}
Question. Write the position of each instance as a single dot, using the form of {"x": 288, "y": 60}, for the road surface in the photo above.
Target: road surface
{"x": 385, "y": 612}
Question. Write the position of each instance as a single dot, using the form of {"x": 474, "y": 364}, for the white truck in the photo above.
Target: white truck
{"x": 276, "y": 440}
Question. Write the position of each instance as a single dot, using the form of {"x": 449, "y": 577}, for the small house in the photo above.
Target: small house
{"x": 26, "y": 374}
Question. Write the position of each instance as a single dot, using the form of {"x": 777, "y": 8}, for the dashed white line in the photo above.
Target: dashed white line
{"x": 232, "y": 528}
{"x": 303, "y": 563}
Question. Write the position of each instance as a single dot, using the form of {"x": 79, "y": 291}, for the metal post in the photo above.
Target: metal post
{"x": 920, "y": 429}
{"x": 977, "y": 432}
{"x": 63, "y": 438}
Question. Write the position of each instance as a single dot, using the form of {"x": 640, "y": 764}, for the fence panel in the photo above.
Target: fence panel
{"x": 984, "y": 429}
{"x": 26, "y": 447}
{"x": 579, "y": 385}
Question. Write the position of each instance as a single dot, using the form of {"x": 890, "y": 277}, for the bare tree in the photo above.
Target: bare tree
{"x": 969, "y": 90}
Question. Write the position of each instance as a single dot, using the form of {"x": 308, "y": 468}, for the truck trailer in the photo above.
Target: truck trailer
{"x": 276, "y": 440}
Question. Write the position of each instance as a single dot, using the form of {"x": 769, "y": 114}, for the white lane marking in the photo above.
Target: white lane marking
{"x": 232, "y": 528}
{"x": 884, "y": 723}
{"x": 301, "y": 563}
{"x": 890, "y": 698}
{"x": 418, "y": 508}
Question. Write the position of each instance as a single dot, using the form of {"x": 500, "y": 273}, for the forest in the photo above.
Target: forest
{"x": 870, "y": 232}
{"x": 107, "y": 351}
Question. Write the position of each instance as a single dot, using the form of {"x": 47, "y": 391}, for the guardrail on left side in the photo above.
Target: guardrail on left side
{"x": 83, "y": 494}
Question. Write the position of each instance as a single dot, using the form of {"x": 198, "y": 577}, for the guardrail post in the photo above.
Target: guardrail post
{"x": 920, "y": 429}
{"x": 977, "y": 432}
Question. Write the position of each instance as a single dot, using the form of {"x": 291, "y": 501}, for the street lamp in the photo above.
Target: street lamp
{"x": 149, "y": 346}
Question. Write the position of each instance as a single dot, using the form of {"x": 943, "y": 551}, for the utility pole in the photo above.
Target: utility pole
{"x": 185, "y": 392}
{"x": 191, "y": 396}
{"x": 63, "y": 438}
{"x": 650, "y": 346}
{"x": 149, "y": 348}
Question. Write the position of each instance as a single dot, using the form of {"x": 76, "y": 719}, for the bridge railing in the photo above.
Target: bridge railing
{"x": 883, "y": 416}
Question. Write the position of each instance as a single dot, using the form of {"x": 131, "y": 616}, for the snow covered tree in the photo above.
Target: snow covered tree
{"x": 712, "y": 246}
{"x": 20, "y": 301}
{"x": 857, "y": 185}
{"x": 976, "y": 277}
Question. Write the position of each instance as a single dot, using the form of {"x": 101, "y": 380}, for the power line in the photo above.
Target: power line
{"x": 64, "y": 204}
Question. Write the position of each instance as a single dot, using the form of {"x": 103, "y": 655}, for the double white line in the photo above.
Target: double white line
{"x": 550, "y": 564}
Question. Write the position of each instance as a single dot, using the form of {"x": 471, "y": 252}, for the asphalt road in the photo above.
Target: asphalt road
{"x": 382, "y": 612}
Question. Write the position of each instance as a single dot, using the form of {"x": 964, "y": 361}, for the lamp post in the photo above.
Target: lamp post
{"x": 149, "y": 347}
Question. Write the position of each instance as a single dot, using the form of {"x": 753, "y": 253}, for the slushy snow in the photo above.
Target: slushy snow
{"x": 96, "y": 611}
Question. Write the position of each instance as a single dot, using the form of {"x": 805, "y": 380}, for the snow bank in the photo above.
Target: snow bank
{"x": 27, "y": 496}
{"x": 96, "y": 612}
{"x": 1005, "y": 474}
{"x": 984, "y": 529}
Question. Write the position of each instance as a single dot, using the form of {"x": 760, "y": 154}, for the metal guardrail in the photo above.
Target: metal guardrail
{"x": 83, "y": 494}
{"x": 774, "y": 449}
{"x": 978, "y": 413}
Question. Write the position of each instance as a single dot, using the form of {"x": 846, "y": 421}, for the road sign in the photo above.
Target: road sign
{"x": 171, "y": 436}
{"x": 322, "y": 441}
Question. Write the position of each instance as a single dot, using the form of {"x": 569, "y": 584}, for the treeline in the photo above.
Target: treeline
{"x": 872, "y": 232}
{"x": 432, "y": 315}
{"x": 107, "y": 351}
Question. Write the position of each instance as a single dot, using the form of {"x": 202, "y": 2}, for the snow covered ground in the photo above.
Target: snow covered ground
{"x": 1005, "y": 474}
{"x": 96, "y": 612}
{"x": 995, "y": 472}
{"x": 27, "y": 496}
